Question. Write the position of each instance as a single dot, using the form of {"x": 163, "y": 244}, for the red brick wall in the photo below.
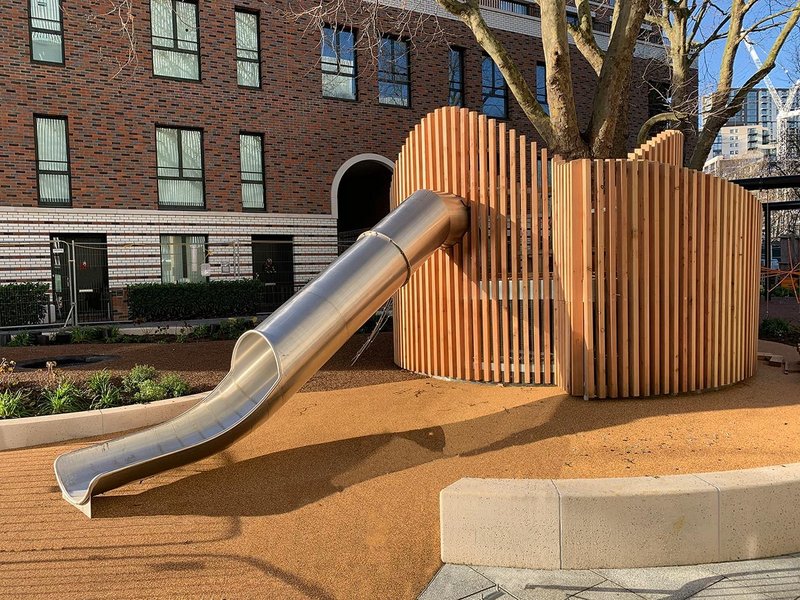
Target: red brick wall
{"x": 307, "y": 138}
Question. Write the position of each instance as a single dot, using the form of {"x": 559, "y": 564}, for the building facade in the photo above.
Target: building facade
{"x": 229, "y": 140}
{"x": 754, "y": 129}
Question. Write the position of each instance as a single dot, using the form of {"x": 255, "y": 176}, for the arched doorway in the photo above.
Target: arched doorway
{"x": 360, "y": 195}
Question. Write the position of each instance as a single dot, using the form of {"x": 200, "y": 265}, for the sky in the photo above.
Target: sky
{"x": 788, "y": 60}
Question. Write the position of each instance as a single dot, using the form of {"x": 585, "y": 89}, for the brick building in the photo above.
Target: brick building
{"x": 236, "y": 140}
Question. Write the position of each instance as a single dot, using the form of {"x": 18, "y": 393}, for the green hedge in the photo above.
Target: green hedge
{"x": 181, "y": 301}
{"x": 23, "y": 303}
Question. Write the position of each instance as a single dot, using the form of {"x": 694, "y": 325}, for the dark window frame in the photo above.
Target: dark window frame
{"x": 337, "y": 30}
{"x": 493, "y": 89}
{"x": 184, "y": 253}
{"x": 257, "y": 61}
{"x": 32, "y": 30}
{"x": 242, "y": 181}
{"x": 175, "y": 42}
{"x": 393, "y": 75}
{"x": 459, "y": 89}
{"x": 180, "y": 166}
{"x": 39, "y": 171}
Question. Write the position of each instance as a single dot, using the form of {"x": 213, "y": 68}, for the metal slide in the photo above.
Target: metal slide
{"x": 271, "y": 362}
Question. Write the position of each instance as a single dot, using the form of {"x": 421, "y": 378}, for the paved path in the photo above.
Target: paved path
{"x": 767, "y": 579}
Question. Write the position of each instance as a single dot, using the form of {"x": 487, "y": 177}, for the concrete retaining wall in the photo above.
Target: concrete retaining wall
{"x": 622, "y": 522}
{"x": 33, "y": 431}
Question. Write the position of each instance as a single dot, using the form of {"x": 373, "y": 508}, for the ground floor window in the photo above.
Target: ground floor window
{"x": 182, "y": 258}
{"x": 273, "y": 263}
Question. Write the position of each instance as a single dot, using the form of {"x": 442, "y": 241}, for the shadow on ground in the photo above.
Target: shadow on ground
{"x": 287, "y": 480}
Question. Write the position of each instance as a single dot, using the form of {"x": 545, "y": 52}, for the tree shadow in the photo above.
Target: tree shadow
{"x": 284, "y": 481}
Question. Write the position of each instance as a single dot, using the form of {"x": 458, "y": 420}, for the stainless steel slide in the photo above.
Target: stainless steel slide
{"x": 271, "y": 362}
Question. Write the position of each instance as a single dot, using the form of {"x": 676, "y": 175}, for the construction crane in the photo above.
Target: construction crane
{"x": 786, "y": 108}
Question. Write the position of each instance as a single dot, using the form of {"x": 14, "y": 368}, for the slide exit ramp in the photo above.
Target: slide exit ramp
{"x": 272, "y": 361}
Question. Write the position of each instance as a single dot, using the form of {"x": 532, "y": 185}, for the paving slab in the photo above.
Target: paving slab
{"x": 607, "y": 590}
{"x": 729, "y": 590}
{"x": 673, "y": 583}
{"x": 776, "y": 578}
{"x": 456, "y": 582}
{"x": 534, "y": 584}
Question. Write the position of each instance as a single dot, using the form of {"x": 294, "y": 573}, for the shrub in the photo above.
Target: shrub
{"x": 774, "y": 329}
{"x": 174, "y": 385}
{"x": 64, "y": 397}
{"x": 21, "y": 339}
{"x": 231, "y": 329}
{"x": 149, "y": 391}
{"x": 99, "y": 381}
{"x": 15, "y": 404}
{"x": 180, "y": 301}
{"x": 23, "y": 303}
{"x": 133, "y": 381}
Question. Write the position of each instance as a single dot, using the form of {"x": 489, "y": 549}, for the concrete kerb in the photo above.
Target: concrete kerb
{"x": 622, "y": 522}
{"x": 35, "y": 431}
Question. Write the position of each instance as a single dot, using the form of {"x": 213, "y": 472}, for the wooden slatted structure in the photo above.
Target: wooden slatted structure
{"x": 482, "y": 310}
{"x": 610, "y": 278}
{"x": 665, "y": 147}
{"x": 657, "y": 270}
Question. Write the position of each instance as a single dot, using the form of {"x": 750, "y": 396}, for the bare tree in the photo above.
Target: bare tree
{"x": 683, "y": 23}
{"x": 689, "y": 26}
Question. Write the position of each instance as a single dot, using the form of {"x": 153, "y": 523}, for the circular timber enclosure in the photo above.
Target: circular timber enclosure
{"x": 610, "y": 278}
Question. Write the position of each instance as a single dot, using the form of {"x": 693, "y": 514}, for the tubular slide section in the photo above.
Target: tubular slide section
{"x": 271, "y": 362}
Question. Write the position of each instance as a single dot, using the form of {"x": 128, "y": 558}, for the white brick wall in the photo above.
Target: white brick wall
{"x": 134, "y": 245}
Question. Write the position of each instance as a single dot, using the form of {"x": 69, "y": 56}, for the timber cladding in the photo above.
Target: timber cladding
{"x": 610, "y": 278}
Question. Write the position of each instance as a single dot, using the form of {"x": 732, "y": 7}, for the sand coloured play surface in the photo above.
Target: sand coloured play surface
{"x": 337, "y": 495}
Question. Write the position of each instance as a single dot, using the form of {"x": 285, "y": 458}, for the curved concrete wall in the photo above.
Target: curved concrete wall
{"x": 622, "y": 522}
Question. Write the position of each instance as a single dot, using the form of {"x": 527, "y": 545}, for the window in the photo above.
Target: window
{"x": 572, "y": 18}
{"x": 541, "y": 86}
{"x": 394, "y": 76}
{"x": 52, "y": 161}
{"x": 179, "y": 156}
{"x": 182, "y": 258}
{"x": 47, "y": 31}
{"x": 248, "y": 52}
{"x": 514, "y": 7}
{"x": 456, "y": 76}
{"x": 251, "y": 157}
{"x": 338, "y": 63}
{"x": 176, "y": 47}
{"x": 495, "y": 94}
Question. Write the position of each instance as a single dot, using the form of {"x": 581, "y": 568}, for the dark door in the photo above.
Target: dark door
{"x": 82, "y": 259}
{"x": 273, "y": 263}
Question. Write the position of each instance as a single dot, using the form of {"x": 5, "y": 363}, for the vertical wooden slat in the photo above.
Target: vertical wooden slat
{"x": 484, "y": 217}
{"x": 465, "y": 191}
{"x": 494, "y": 250}
{"x": 600, "y": 216}
{"x": 514, "y": 272}
{"x": 675, "y": 249}
{"x": 635, "y": 193}
{"x": 624, "y": 291}
{"x": 645, "y": 201}
{"x": 659, "y": 199}
{"x": 501, "y": 282}
{"x": 587, "y": 283}
{"x": 611, "y": 311}
{"x": 525, "y": 200}
{"x": 546, "y": 254}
